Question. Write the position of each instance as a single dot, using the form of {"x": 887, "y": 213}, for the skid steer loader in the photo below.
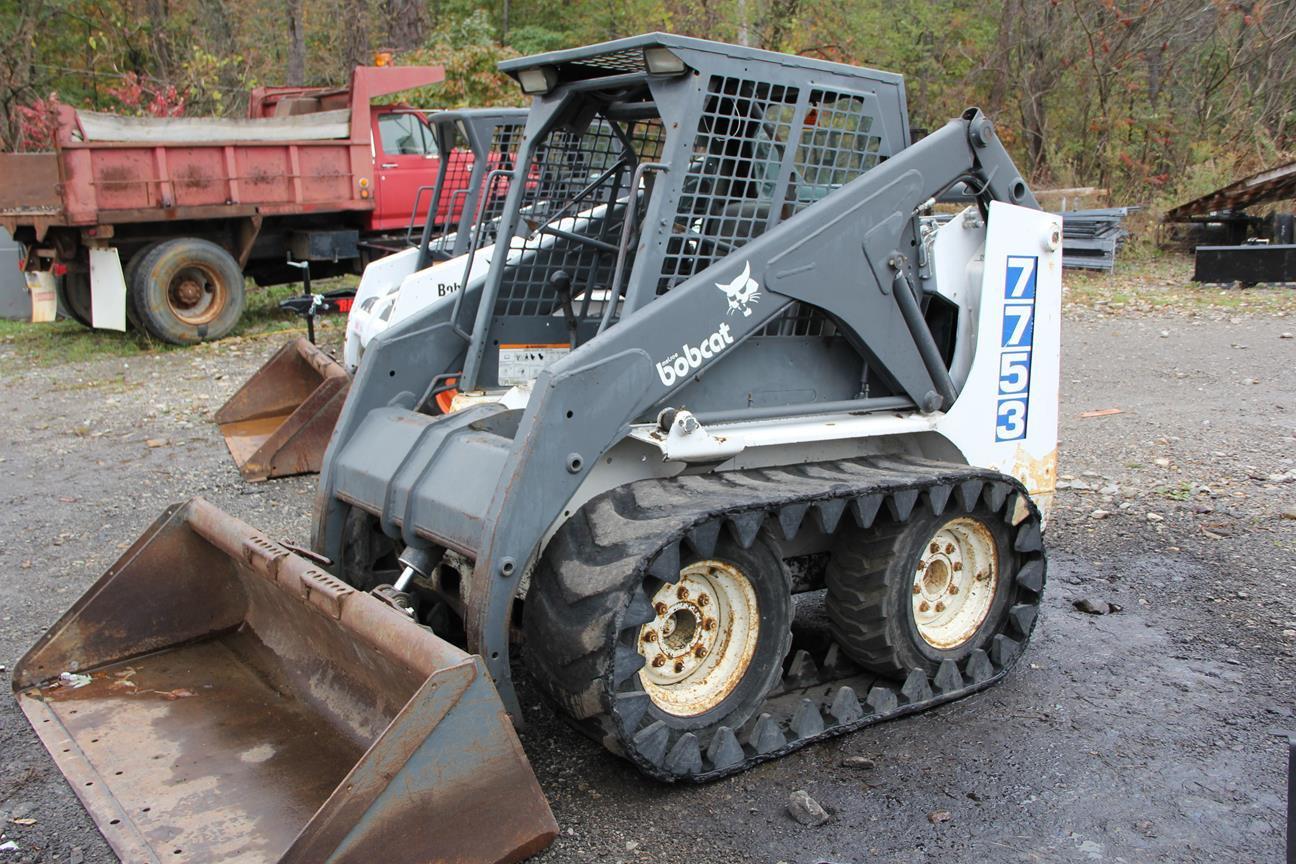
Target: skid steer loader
{"x": 760, "y": 458}
{"x": 278, "y": 423}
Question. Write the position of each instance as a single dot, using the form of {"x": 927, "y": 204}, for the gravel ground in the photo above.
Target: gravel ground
{"x": 1145, "y": 734}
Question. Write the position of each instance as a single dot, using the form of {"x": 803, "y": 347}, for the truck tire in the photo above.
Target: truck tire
{"x": 909, "y": 595}
{"x": 132, "y": 267}
{"x": 74, "y": 296}
{"x": 187, "y": 291}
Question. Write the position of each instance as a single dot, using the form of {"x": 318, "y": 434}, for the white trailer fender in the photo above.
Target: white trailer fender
{"x": 107, "y": 289}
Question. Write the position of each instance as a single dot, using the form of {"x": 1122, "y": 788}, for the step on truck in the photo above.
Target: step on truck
{"x": 279, "y": 422}
{"x": 762, "y": 460}
{"x": 155, "y": 222}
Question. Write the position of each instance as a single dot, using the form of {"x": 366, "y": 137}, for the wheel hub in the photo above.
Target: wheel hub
{"x": 195, "y": 296}
{"x": 700, "y": 643}
{"x": 955, "y": 583}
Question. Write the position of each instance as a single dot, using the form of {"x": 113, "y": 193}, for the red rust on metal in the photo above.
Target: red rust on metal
{"x": 242, "y": 705}
{"x": 280, "y": 421}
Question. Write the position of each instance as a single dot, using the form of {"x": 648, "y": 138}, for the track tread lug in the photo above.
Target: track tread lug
{"x": 836, "y": 664}
{"x": 916, "y": 687}
{"x": 639, "y": 611}
{"x": 631, "y": 707}
{"x": 666, "y": 566}
{"x": 766, "y": 736}
{"x": 969, "y": 492}
{"x": 937, "y": 497}
{"x": 1031, "y": 576}
{"x": 651, "y": 742}
{"x": 1029, "y": 538}
{"x": 829, "y": 513}
{"x": 1023, "y": 617}
{"x": 745, "y": 526}
{"x": 882, "y": 700}
{"x": 628, "y": 662}
{"x": 725, "y": 751}
{"x": 995, "y": 495}
{"x": 901, "y": 503}
{"x": 790, "y": 517}
{"x": 802, "y": 671}
{"x": 864, "y": 509}
{"x": 948, "y": 678}
{"x": 978, "y": 667}
{"x": 1003, "y": 650}
{"x": 685, "y": 758}
{"x": 845, "y": 707}
{"x": 703, "y": 537}
{"x": 807, "y": 722}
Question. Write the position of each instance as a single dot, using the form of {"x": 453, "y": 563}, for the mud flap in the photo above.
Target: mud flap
{"x": 214, "y": 697}
{"x": 280, "y": 421}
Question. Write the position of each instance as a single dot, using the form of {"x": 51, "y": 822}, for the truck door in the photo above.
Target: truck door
{"x": 405, "y": 156}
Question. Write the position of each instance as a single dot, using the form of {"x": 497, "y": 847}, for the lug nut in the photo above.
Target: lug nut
{"x": 940, "y": 607}
{"x": 650, "y": 636}
{"x": 982, "y": 576}
{"x": 699, "y": 651}
{"x": 679, "y": 665}
{"x": 958, "y": 565}
{"x": 935, "y": 547}
{"x": 660, "y": 609}
{"x": 708, "y": 623}
{"x": 953, "y": 589}
{"x": 917, "y": 590}
{"x": 703, "y": 599}
{"x": 659, "y": 661}
{"x": 682, "y": 593}
{"x": 923, "y": 606}
{"x": 949, "y": 548}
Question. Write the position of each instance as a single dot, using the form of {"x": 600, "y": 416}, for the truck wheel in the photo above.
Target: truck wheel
{"x": 74, "y": 294}
{"x": 904, "y": 596}
{"x": 187, "y": 291}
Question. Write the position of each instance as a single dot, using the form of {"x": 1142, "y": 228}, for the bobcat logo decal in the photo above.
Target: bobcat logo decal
{"x": 741, "y": 292}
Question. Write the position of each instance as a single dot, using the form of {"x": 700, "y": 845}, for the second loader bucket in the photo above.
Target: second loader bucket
{"x": 214, "y": 697}
{"x": 280, "y": 421}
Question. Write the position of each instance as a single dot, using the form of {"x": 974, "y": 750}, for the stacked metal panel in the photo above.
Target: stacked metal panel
{"x": 1090, "y": 238}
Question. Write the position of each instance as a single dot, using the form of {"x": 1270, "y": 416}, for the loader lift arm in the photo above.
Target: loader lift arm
{"x": 859, "y": 229}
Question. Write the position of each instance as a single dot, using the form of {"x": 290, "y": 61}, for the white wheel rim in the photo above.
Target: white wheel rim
{"x": 955, "y": 583}
{"x": 702, "y": 640}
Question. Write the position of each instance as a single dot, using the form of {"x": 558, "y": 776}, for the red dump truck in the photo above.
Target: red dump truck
{"x": 157, "y": 221}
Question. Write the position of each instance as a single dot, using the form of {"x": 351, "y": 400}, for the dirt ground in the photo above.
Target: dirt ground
{"x": 1147, "y": 734}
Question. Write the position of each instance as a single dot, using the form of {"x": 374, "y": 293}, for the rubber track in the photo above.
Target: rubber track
{"x": 590, "y": 590}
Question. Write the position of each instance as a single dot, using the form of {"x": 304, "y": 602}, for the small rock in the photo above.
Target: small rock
{"x": 1099, "y": 514}
{"x": 1113, "y": 489}
{"x": 155, "y": 442}
{"x": 1155, "y": 517}
{"x": 1284, "y": 335}
{"x": 936, "y": 817}
{"x": 1289, "y": 513}
{"x": 1161, "y": 461}
{"x": 1090, "y": 607}
{"x": 631, "y": 845}
{"x": 805, "y": 809}
{"x": 1242, "y": 595}
{"x": 1165, "y": 334}
{"x": 862, "y": 762}
{"x": 76, "y": 856}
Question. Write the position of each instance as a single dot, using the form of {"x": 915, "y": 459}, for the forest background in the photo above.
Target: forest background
{"x": 1154, "y": 100}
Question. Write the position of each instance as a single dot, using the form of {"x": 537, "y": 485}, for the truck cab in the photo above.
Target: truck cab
{"x": 406, "y": 157}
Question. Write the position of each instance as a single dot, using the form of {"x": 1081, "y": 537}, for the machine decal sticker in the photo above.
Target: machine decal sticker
{"x": 741, "y": 292}
{"x": 522, "y": 362}
{"x": 678, "y": 365}
{"x": 1015, "y": 343}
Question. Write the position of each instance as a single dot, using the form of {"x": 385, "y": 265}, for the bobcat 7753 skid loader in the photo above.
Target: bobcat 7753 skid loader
{"x": 759, "y": 461}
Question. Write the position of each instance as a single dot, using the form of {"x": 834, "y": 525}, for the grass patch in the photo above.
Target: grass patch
{"x": 23, "y": 344}
{"x": 1162, "y": 282}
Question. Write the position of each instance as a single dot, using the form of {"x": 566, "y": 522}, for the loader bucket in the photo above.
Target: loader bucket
{"x": 214, "y": 697}
{"x": 280, "y": 421}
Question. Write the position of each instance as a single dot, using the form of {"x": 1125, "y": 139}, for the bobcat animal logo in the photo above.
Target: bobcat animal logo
{"x": 741, "y": 292}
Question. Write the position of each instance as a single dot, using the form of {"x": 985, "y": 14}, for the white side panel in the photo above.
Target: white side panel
{"x": 107, "y": 290}
{"x": 956, "y": 262}
{"x": 1006, "y": 415}
{"x": 425, "y": 287}
{"x": 44, "y": 296}
{"x": 380, "y": 277}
